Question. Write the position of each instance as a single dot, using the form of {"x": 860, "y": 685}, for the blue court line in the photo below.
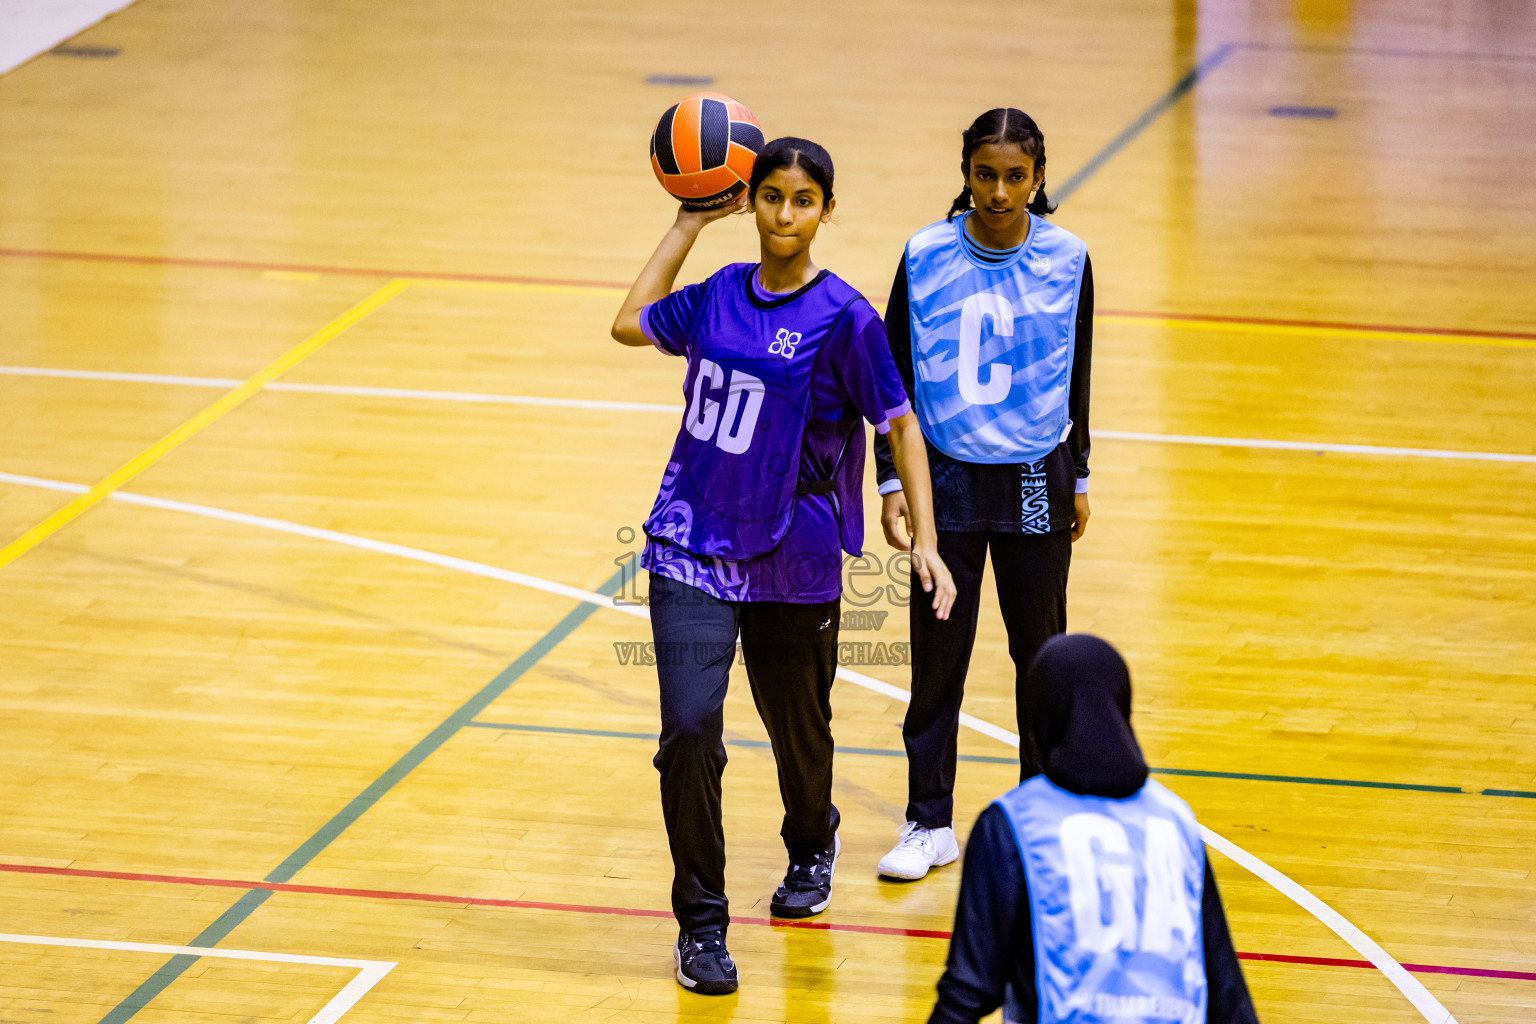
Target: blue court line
{"x": 1307, "y": 780}
{"x": 1191, "y": 78}
{"x": 311, "y": 847}
{"x": 1305, "y": 113}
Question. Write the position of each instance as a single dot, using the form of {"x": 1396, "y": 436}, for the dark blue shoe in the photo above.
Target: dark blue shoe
{"x": 807, "y": 887}
{"x": 703, "y": 964}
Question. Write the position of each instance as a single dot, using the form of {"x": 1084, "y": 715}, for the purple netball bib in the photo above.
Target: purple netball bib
{"x": 729, "y": 487}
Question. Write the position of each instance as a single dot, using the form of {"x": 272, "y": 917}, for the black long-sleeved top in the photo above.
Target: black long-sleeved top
{"x": 970, "y": 496}
{"x": 993, "y": 943}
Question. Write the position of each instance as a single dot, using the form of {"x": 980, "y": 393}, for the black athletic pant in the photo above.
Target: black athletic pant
{"x": 1031, "y": 577}
{"x": 791, "y": 656}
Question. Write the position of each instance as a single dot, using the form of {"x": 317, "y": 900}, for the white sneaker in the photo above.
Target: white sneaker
{"x": 919, "y": 849}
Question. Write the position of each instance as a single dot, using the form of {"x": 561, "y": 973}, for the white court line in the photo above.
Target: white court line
{"x": 1406, "y": 983}
{"x": 28, "y": 29}
{"x": 1312, "y": 446}
{"x": 473, "y": 396}
{"x": 1427, "y": 1005}
{"x": 343, "y": 389}
{"x": 351, "y": 540}
{"x": 897, "y": 693}
{"x": 369, "y": 972}
{"x": 587, "y": 403}
{"x": 122, "y": 378}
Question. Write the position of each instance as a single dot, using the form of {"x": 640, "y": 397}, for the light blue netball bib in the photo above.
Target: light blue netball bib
{"x": 1114, "y": 897}
{"x": 992, "y": 343}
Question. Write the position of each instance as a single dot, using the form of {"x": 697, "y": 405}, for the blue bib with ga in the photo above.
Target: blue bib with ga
{"x": 1114, "y": 900}
{"x": 992, "y": 343}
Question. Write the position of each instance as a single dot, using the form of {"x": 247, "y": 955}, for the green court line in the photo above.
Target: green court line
{"x": 358, "y": 806}
{"x": 1175, "y": 93}
{"x": 1306, "y": 780}
{"x": 563, "y": 731}
{"x": 611, "y": 734}
{"x": 178, "y": 964}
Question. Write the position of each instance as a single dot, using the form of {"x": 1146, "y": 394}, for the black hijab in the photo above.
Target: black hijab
{"x": 1078, "y": 702}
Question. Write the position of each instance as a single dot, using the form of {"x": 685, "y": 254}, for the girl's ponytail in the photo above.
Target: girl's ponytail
{"x": 961, "y": 204}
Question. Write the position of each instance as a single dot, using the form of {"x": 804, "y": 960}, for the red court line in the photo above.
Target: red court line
{"x": 436, "y": 275}
{"x": 1328, "y": 961}
{"x": 472, "y": 901}
{"x": 299, "y": 268}
{"x": 578, "y": 908}
{"x": 1332, "y": 325}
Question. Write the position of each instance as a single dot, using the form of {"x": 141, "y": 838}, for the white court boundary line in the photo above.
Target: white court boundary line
{"x": 475, "y": 397}
{"x": 1396, "y": 973}
{"x": 369, "y": 972}
{"x": 27, "y": 30}
{"x": 1411, "y": 988}
{"x": 1313, "y": 446}
{"x": 472, "y": 397}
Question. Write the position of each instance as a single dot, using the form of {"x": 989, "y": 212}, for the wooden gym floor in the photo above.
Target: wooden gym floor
{"x": 316, "y": 683}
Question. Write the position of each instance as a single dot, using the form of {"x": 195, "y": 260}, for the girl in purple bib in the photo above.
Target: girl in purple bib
{"x": 759, "y": 499}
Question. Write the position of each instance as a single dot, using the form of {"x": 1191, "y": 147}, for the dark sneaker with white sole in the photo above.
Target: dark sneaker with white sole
{"x": 703, "y": 964}
{"x": 807, "y": 887}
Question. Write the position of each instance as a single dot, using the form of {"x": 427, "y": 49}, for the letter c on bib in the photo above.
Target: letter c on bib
{"x": 999, "y": 375}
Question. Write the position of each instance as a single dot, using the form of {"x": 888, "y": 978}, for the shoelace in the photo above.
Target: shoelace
{"x": 803, "y": 877}
{"x": 912, "y": 835}
{"x": 695, "y": 946}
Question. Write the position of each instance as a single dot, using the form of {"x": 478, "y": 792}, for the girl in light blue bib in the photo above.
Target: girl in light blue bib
{"x": 990, "y": 323}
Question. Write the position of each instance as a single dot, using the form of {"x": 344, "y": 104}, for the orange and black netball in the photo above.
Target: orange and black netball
{"x": 703, "y": 148}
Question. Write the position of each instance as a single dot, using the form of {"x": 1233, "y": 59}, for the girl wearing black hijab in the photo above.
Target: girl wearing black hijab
{"x": 1085, "y": 893}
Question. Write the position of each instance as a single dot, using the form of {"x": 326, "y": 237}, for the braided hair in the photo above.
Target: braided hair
{"x": 1002, "y": 125}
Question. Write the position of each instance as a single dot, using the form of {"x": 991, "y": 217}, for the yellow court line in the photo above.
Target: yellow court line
{"x": 228, "y": 402}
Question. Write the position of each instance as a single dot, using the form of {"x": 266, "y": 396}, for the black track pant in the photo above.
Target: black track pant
{"x": 791, "y": 656}
{"x": 1031, "y": 577}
